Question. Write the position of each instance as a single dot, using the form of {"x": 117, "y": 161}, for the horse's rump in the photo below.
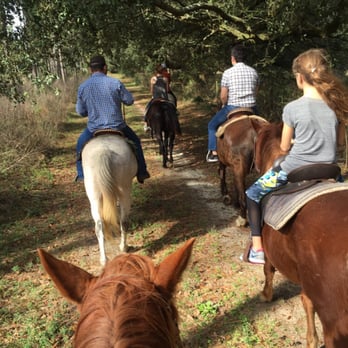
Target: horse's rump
{"x": 109, "y": 166}
{"x": 235, "y": 120}
{"x": 237, "y": 138}
{"x": 235, "y": 148}
{"x": 162, "y": 117}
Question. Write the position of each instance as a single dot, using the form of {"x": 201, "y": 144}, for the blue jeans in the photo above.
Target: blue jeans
{"x": 86, "y": 135}
{"x": 219, "y": 118}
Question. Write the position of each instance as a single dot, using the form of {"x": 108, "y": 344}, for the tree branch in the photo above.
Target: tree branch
{"x": 180, "y": 12}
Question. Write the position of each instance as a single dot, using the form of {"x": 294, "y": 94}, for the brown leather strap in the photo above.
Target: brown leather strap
{"x": 107, "y": 131}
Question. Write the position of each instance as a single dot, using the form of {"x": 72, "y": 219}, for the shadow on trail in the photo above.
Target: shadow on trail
{"x": 38, "y": 219}
{"x": 226, "y": 324}
{"x": 182, "y": 206}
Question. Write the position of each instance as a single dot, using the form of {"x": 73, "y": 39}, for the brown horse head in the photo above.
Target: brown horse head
{"x": 129, "y": 305}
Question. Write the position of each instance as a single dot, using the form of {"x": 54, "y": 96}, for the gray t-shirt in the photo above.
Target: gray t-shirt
{"x": 315, "y": 133}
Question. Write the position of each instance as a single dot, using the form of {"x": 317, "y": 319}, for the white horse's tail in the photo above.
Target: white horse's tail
{"x": 108, "y": 198}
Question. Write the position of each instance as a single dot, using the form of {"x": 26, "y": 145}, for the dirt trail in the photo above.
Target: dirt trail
{"x": 198, "y": 184}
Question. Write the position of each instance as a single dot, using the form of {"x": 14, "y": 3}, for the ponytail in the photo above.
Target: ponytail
{"x": 314, "y": 66}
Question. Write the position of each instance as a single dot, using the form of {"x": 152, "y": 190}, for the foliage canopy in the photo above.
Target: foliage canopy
{"x": 193, "y": 37}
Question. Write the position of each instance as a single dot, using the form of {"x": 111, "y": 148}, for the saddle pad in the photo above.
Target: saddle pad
{"x": 281, "y": 208}
{"x": 222, "y": 128}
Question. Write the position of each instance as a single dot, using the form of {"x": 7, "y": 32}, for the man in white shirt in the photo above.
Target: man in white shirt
{"x": 238, "y": 89}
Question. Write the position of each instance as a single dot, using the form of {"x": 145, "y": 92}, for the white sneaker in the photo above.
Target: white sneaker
{"x": 257, "y": 257}
{"x": 211, "y": 158}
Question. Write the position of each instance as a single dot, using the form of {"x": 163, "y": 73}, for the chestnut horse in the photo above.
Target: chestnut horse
{"x": 311, "y": 250}
{"x": 130, "y": 304}
{"x": 235, "y": 148}
{"x": 163, "y": 121}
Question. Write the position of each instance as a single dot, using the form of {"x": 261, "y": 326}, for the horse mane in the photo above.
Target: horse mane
{"x": 125, "y": 306}
{"x": 267, "y": 147}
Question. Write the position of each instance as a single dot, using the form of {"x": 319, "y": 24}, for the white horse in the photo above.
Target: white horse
{"x": 109, "y": 166}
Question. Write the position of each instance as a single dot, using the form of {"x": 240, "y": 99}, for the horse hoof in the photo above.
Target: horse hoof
{"x": 264, "y": 298}
{"x": 227, "y": 200}
{"x": 240, "y": 221}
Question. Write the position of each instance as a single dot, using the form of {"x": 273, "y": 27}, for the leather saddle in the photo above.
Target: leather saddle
{"x": 107, "y": 131}
{"x": 307, "y": 176}
{"x": 239, "y": 112}
{"x": 303, "y": 184}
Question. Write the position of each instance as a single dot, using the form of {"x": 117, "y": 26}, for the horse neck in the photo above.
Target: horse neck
{"x": 268, "y": 161}
{"x": 267, "y": 147}
{"x": 127, "y": 311}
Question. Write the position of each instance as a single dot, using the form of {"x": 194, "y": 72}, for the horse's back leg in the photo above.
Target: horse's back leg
{"x": 94, "y": 200}
{"x": 164, "y": 146}
{"x": 100, "y": 236}
{"x": 124, "y": 206}
{"x": 241, "y": 168}
{"x": 98, "y": 229}
{"x": 268, "y": 270}
{"x": 222, "y": 176}
{"x": 312, "y": 336}
{"x": 171, "y": 147}
{"x": 239, "y": 184}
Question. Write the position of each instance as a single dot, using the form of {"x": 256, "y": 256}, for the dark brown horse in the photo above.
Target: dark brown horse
{"x": 129, "y": 305}
{"x": 311, "y": 250}
{"x": 163, "y": 120}
{"x": 235, "y": 148}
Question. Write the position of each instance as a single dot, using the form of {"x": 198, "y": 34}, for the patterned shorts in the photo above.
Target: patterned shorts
{"x": 266, "y": 183}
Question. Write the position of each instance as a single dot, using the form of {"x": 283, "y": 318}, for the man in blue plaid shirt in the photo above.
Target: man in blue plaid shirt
{"x": 99, "y": 98}
{"x": 238, "y": 89}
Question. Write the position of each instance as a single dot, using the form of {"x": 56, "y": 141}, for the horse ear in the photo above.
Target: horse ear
{"x": 71, "y": 281}
{"x": 170, "y": 270}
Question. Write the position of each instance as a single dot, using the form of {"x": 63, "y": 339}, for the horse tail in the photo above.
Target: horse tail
{"x": 172, "y": 118}
{"x": 108, "y": 198}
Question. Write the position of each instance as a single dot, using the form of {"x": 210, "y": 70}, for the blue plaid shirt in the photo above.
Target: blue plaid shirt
{"x": 100, "y": 98}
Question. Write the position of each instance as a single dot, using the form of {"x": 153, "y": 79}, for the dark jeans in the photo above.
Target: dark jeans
{"x": 86, "y": 135}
